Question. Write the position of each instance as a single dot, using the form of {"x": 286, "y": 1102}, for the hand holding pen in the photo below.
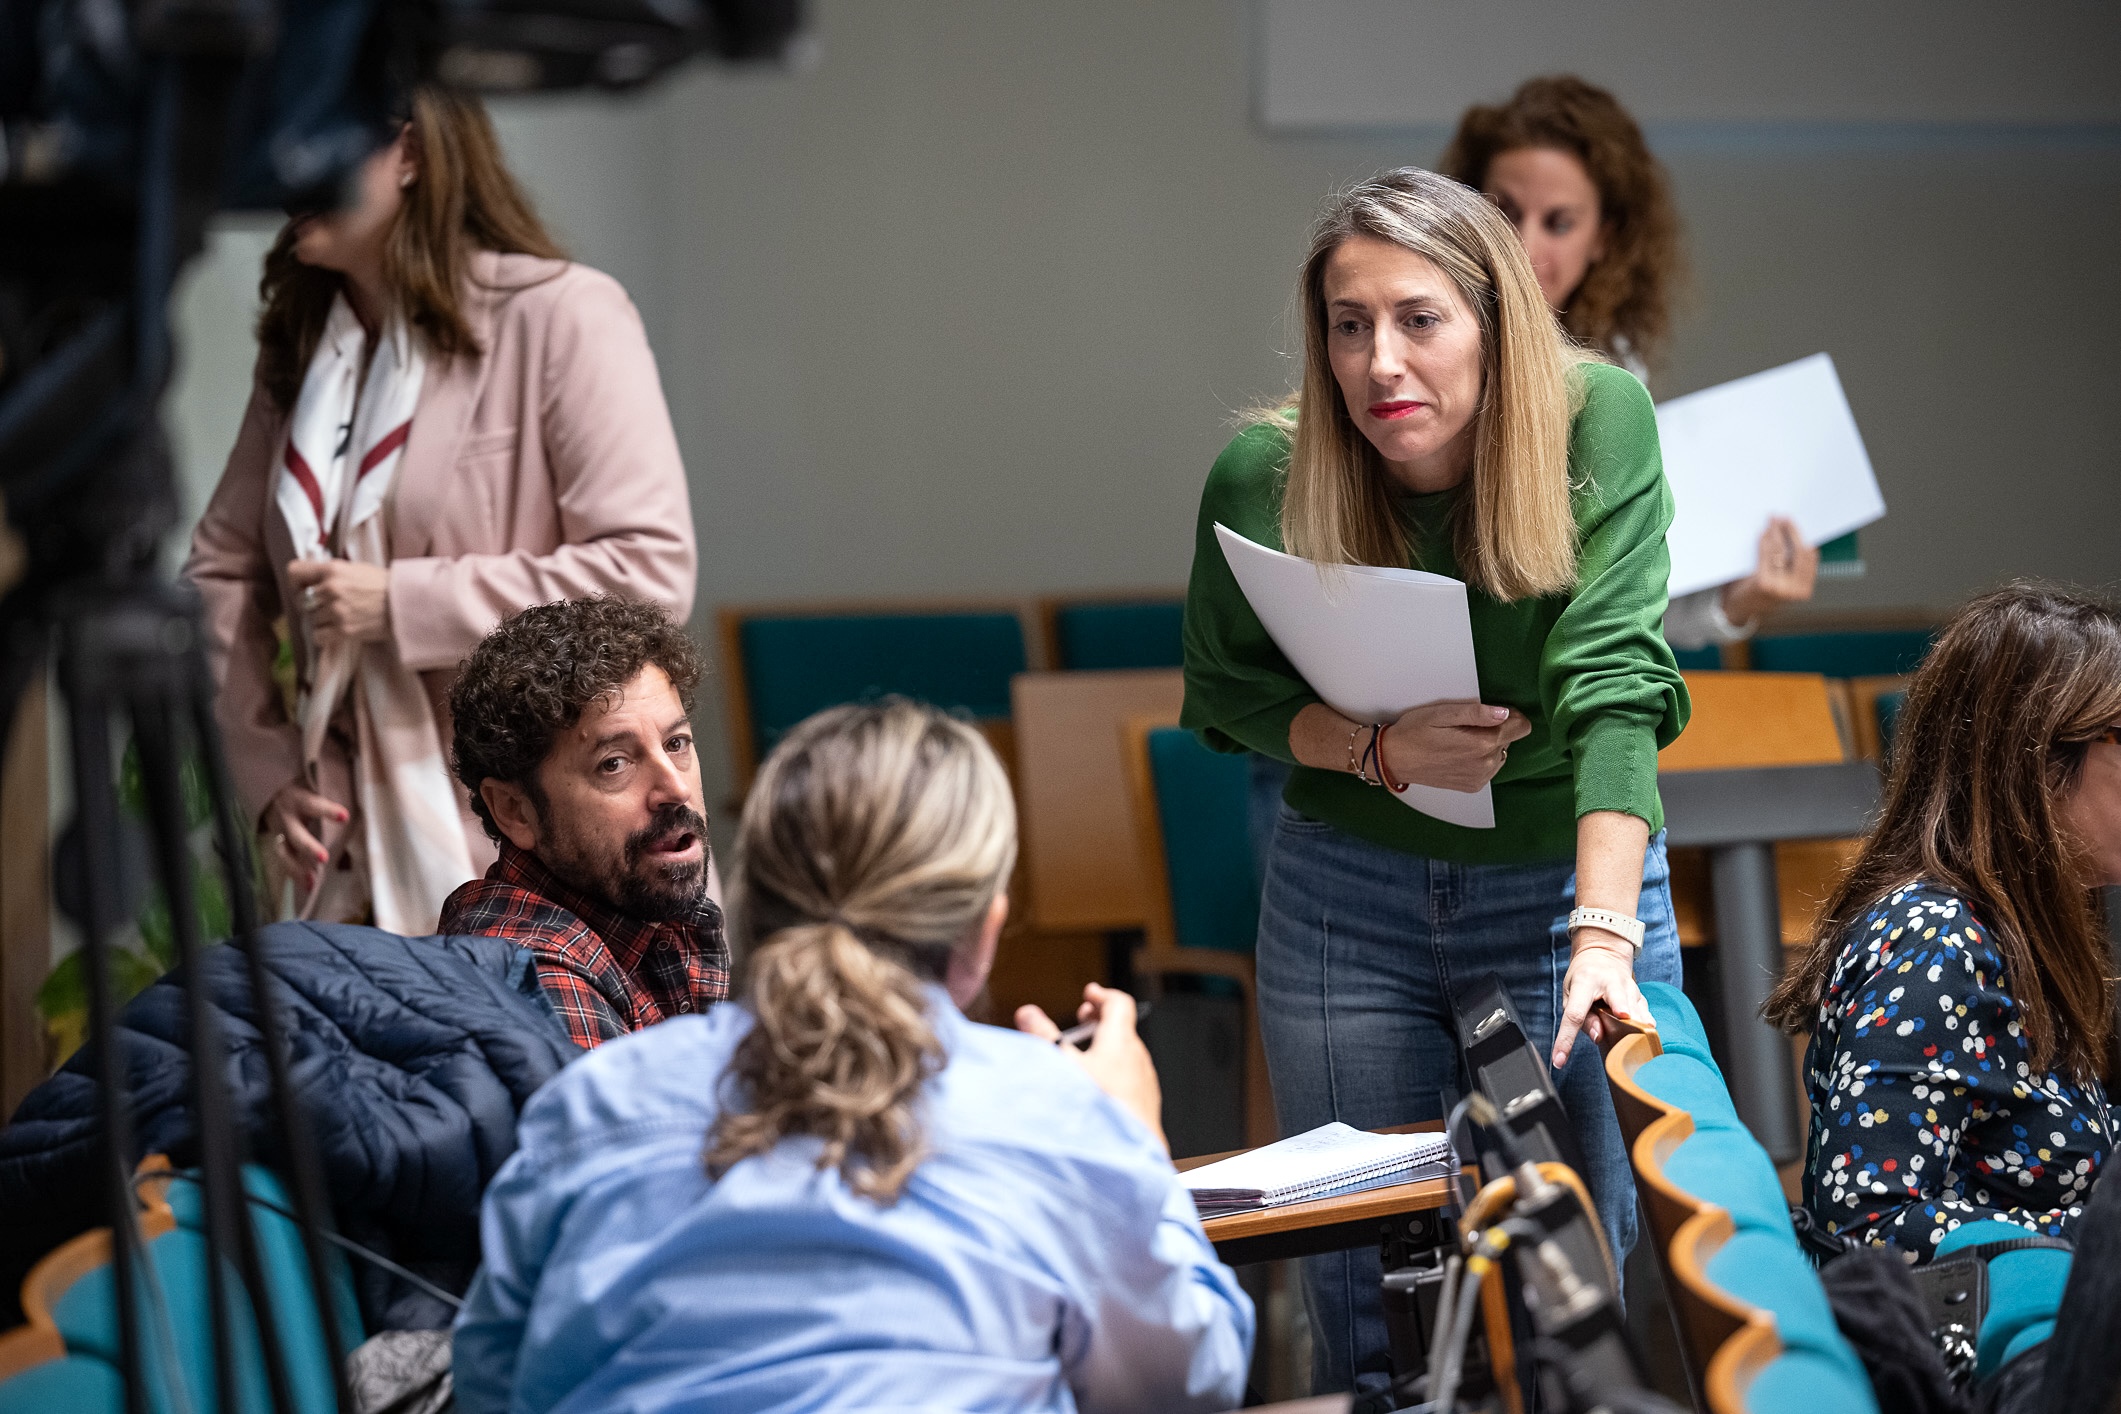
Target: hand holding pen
{"x": 1116, "y": 1059}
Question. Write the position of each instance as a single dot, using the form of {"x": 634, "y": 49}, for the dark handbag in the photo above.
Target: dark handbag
{"x": 1955, "y": 1291}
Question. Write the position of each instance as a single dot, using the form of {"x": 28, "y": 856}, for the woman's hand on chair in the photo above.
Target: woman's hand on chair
{"x": 1116, "y": 1059}
{"x": 294, "y": 818}
{"x": 1602, "y": 969}
{"x": 1453, "y": 745}
{"x": 344, "y": 600}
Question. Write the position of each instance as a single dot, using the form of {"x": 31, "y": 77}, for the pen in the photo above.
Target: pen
{"x": 1081, "y": 1035}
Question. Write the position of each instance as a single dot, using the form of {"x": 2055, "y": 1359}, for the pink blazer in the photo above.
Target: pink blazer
{"x": 545, "y": 468}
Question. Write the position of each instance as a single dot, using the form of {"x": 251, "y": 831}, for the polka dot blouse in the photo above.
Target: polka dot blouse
{"x": 1926, "y": 1111}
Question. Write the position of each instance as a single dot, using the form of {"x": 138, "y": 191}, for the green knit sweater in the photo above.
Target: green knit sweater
{"x": 1589, "y": 668}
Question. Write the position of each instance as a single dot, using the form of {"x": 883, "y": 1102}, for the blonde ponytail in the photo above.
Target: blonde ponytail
{"x": 873, "y": 844}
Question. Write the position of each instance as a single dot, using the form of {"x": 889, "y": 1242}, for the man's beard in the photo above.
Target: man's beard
{"x": 634, "y": 884}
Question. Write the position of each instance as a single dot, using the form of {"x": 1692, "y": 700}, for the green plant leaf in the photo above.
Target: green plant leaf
{"x": 65, "y": 989}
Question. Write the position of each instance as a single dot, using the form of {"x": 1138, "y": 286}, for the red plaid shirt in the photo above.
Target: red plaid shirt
{"x": 605, "y": 974}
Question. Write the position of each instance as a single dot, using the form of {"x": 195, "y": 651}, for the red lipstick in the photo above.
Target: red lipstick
{"x": 1387, "y": 412}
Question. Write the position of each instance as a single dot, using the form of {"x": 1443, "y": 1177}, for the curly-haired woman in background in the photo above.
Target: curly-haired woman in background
{"x": 450, "y": 423}
{"x": 841, "y": 1193}
{"x": 1570, "y": 169}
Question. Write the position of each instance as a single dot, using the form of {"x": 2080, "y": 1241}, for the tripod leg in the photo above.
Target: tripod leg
{"x": 231, "y": 837}
{"x": 229, "y": 1231}
{"x": 96, "y": 803}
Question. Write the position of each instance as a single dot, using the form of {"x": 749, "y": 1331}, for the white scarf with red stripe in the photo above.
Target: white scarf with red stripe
{"x": 344, "y": 444}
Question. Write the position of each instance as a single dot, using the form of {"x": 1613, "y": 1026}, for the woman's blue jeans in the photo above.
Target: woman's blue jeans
{"x": 1360, "y": 948}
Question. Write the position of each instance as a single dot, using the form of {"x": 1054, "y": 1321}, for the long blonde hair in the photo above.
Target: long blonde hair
{"x": 874, "y": 841}
{"x": 1515, "y": 533}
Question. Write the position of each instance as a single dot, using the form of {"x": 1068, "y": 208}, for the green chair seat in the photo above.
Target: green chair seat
{"x": 1727, "y": 1167}
{"x": 86, "y": 1314}
{"x": 801, "y": 664}
{"x": 1868, "y": 653}
{"x": 1695, "y": 660}
{"x": 286, "y": 1265}
{"x": 1108, "y": 637}
{"x": 1769, "y": 1272}
{"x": 1679, "y": 1028}
{"x": 1201, "y": 799}
{"x": 2024, "y": 1292}
{"x": 1888, "y": 707}
{"x": 1685, "y": 1083}
{"x": 73, "y": 1384}
{"x": 1812, "y": 1383}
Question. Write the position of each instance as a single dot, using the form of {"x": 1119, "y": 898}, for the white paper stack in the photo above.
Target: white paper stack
{"x": 1779, "y": 443}
{"x": 1326, "y": 1159}
{"x": 1373, "y": 642}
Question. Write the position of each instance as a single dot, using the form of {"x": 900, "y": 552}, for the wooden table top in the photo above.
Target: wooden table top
{"x": 1421, "y": 1195}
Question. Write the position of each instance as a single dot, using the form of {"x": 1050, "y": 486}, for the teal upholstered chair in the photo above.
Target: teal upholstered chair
{"x": 1694, "y": 660}
{"x": 2024, "y": 1292}
{"x": 78, "y": 1299}
{"x": 1729, "y": 1253}
{"x": 1861, "y": 653}
{"x": 286, "y": 1272}
{"x": 1888, "y": 708}
{"x": 71, "y": 1384}
{"x": 781, "y": 665}
{"x": 1203, "y": 918}
{"x": 1103, "y": 635}
{"x": 176, "y": 1328}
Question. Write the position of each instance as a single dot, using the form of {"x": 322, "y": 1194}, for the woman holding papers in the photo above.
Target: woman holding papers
{"x": 841, "y": 1194}
{"x": 1444, "y": 423}
{"x": 1569, "y": 167}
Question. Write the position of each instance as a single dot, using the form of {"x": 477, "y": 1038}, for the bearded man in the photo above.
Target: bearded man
{"x": 573, "y": 734}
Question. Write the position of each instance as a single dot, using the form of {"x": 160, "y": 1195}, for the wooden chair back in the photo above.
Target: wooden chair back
{"x": 37, "y": 1340}
{"x": 1634, "y": 1106}
{"x": 1162, "y": 954}
{"x": 1666, "y": 1205}
{"x": 1738, "y": 1363}
{"x": 1755, "y": 719}
{"x": 1708, "y": 1316}
{"x": 1083, "y": 860}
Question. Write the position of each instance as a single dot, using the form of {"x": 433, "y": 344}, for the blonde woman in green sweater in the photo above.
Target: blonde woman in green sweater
{"x": 1444, "y": 422}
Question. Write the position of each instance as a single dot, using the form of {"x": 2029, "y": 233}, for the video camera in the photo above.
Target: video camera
{"x": 124, "y": 126}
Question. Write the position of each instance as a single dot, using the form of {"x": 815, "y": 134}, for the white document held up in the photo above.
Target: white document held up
{"x": 1307, "y": 1165}
{"x": 1779, "y": 443}
{"x": 1372, "y": 642}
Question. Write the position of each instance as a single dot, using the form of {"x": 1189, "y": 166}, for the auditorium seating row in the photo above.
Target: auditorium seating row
{"x": 1128, "y": 827}
{"x": 1756, "y": 1332}
{"x": 66, "y": 1356}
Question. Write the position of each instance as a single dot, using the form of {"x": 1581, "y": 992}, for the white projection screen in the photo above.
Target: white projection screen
{"x": 1327, "y": 65}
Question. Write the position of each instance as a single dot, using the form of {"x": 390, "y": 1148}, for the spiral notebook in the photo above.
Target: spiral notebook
{"x": 1331, "y": 1158}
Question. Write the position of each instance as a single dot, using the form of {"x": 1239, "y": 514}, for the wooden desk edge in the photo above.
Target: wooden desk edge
{"x": 1421, "y": 1195}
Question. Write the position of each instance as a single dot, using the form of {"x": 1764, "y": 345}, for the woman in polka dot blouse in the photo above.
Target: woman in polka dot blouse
{"x": 1961, "y": 1021}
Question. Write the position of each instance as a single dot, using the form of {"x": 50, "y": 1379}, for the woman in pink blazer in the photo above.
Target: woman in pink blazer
{"x": 450, "y": 423}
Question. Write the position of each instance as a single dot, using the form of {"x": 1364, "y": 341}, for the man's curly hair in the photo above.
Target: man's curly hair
{"x": 534, "y": 676}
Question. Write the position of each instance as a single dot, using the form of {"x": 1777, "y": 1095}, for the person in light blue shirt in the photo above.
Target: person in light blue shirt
{"x": 842, "y": 1194}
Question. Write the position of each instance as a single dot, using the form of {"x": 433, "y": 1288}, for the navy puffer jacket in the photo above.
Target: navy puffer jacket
{"x": 412, "y": 1057}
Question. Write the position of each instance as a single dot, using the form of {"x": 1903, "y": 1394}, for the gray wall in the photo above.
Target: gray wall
{"x": 967, "y": 307}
